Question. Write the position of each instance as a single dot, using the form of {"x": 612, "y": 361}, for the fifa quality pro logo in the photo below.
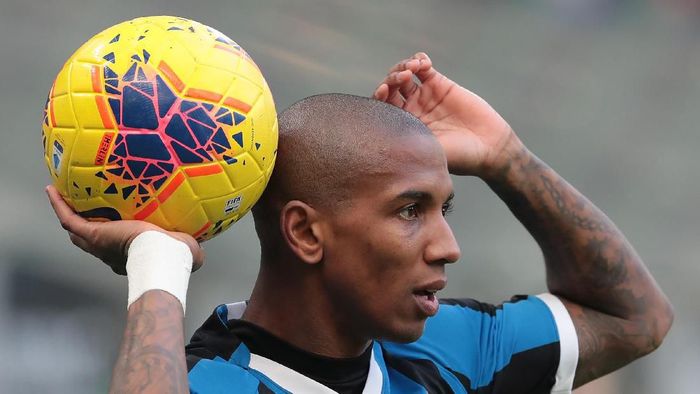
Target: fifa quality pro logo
{"x": 233, "y": 204}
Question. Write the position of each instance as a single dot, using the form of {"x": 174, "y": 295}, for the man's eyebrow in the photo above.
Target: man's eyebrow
{"x": 419, "y": 195}
{"x": 414, "y": 195}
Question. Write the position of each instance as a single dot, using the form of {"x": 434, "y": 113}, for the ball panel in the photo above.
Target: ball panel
{"x": 84, "y": 185}
{"x": 176, "y": 197}
{"x": 264, "y": 137}
{"x": 176, "y": 65}
{"x": 242, "y": 95}
{"x": 91, "y": 111}
{"x": 243, "y": 171}
{"x": 61, "y": 83}
{"x": 209, "y": 79}
{"x": 156, "y": 216}
{"x": 252, "y": 193}
{"x": 209, "y": 181}
{"x": 223, "y": 56}
{"x": 61, "y": 112}
{"x": 89, "y": 147}
{"x": 250, "y": 71}
{"x": 84, "y": 77}
{"x": 193, "y": 222}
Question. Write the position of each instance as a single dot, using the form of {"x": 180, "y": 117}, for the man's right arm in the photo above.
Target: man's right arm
{"x": 152, "y": 353}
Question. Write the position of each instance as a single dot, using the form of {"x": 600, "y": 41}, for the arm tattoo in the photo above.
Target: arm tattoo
{"x": 152, "y": 357}
{"x": 607, "y": 343}
{"x": 619, "y": 312}
{"x": 573, "y": 212}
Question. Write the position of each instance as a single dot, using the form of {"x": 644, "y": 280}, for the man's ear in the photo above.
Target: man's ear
{"x": 301, "y": 229}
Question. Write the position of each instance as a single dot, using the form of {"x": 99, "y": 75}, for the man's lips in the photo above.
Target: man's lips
{"x": 431, "y": 287}
{"x": 425, "y": 296}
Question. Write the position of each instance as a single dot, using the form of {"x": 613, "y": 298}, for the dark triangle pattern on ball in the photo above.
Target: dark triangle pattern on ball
{"x": 143, "y": 101}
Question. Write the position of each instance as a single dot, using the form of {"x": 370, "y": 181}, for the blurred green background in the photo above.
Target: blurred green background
{"x": 605, "y": 91}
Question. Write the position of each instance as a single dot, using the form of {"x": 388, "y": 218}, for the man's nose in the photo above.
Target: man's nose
{"x": 443, "y": 247}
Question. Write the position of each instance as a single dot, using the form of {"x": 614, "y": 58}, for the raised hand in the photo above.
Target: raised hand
{"x": 473, "y": 135}
{"x": 109, "y": 241}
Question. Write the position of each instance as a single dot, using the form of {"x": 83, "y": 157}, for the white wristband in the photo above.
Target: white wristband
{"x": 158, "y": 261}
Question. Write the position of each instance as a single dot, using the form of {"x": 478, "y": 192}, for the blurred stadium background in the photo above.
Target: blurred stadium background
{"x": 605, "y": 91}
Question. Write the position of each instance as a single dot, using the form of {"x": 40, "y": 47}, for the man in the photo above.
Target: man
{"x": 354, "y": 244}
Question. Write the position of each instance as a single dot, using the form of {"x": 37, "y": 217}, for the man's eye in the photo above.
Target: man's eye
{"x": 409, "y": 213}
{"x": 447, "y": 209}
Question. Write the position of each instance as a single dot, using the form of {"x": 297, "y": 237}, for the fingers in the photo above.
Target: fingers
{"x": 419, "y": 64}
{"x": 404, "y": 82}
{"x": 401, "y": 81}
{"x": 395, "y": 88}
{"x": 425, "y": 69}
{"x": 397, "y": 83}
{"x": 396, "y": 99}
{"x": 381, "y": 93}
{"x": 404, "y": 79}
{"x": 411, "y": 64}
{"x": 69, "y": 220}
{"x": 391, "y": 96}
{"x": 198, "y": 260}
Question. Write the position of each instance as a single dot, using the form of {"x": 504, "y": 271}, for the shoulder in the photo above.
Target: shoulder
{"x": 466, "y": 325}
{"x": 480, "y": 345}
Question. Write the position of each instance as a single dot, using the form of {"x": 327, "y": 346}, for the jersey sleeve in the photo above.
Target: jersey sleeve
{"x": 526, "y": 345}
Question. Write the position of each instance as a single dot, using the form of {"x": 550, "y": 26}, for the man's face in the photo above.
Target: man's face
{"x": 388, "y": 244}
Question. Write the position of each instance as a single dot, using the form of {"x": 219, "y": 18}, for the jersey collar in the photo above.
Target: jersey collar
{"x": 273, "y": 373}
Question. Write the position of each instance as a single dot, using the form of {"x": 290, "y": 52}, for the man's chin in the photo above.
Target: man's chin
{"x": 406, "y": 334}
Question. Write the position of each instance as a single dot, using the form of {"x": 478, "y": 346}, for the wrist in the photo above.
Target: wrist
{"x": 499, "y": 164}
{"x": 157, "y": 261}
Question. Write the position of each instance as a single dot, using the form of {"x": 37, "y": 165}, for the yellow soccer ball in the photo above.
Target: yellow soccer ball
{"x": 161, "y": 119}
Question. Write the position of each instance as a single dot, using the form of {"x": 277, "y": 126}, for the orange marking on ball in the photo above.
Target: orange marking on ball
{"x": 104, "y": 112}
{"x": 51, "y": 114}
{"x": 202, "y": 230}
{"x": 226, "y": 48}
{"x": 171, "y": 76}
{"x": 237, "y": 104}
{"x": 203, "y": 170}
{"x": 95, "y": 76}
{"x": 172, "y": 186}
{"x": 204, "y": 94}
{"x": 146, "y": 211}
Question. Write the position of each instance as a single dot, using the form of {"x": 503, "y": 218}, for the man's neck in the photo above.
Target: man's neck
{"x": 293, "y": 308}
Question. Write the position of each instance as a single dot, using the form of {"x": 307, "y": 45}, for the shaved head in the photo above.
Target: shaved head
{"x": 327, "y": 144}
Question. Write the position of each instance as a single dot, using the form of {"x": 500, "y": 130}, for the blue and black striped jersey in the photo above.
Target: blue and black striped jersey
{"x": 527, "y": 345}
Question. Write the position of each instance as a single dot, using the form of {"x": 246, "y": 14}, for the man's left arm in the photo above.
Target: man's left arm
{"x": 617, "y": 308}
{"x": 619, "y": 312}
